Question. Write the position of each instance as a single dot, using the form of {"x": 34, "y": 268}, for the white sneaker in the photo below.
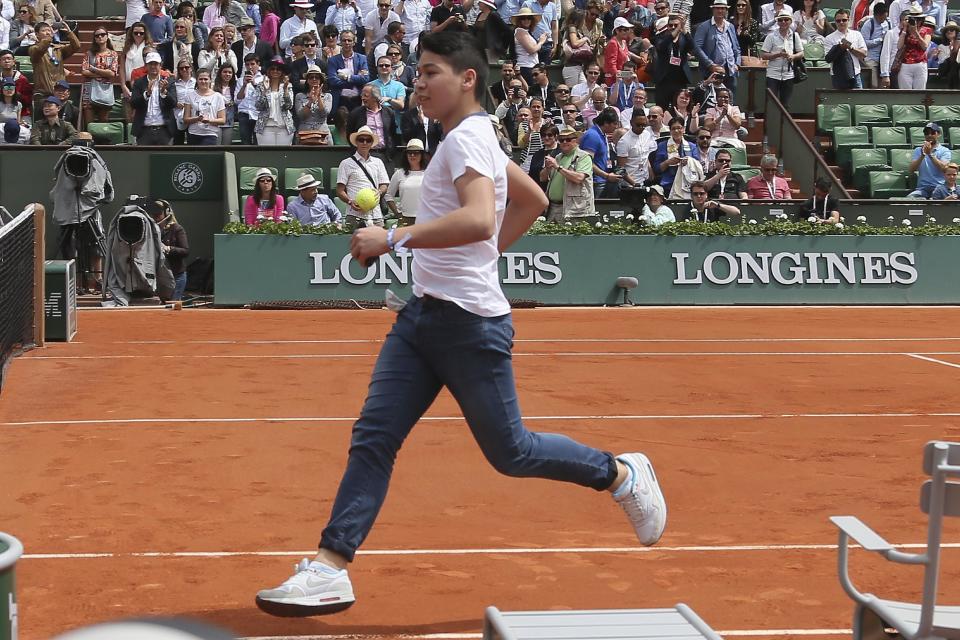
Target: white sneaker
{"x": 314, "y": 590}
{"x": 642, "y": 500}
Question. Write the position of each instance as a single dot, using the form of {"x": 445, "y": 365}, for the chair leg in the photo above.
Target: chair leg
{"x": 867, "y": 625}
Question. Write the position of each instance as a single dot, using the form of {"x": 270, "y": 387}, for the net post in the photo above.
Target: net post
{"x": 39, "y": 240}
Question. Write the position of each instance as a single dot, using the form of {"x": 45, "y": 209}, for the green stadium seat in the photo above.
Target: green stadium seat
{"x": 947, "y": 116}
{"x": 916, "y": 137}
{"x": 738, "y": 158}
{"x": 814, "y": 54}
{"x": 112, "y": 131}
{"x": 846, "y": 138}
{"x": 25, "y": 65}
{"x": 900, "y": 160}
{"x": 908, "y": 114}
{"x": 746, "y": 174}
{"x": 953, "y": 136}
{"x": 333, "y": 178}
{"x": 128, "y": 129}
{"x": 863, "y": 161}
{"x": 341, "y": 205}
{"x": 888, "y": 184}
{"x": 890, "y": 137}
{"x": 337, "y": 136}
{"x": 830, "y": 117}
{"x": 117, "y": 113}
{"x": 247, "y": 176}
{"x": 871, "y": 114}
{"x": 290, "y": 175}
{"x": 955, "y": 155}
{"x": 830, "y": 13}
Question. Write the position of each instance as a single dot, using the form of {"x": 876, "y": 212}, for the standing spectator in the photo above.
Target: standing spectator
{"x": 898, "y": 7}
{"x": 501, "y": 90}
{"x": 414, "y": 124}
{"x": 252, "y": 10}
{"x": 948, "y": 55}
{"x": 562, "y": 102}
{"x": 217, "y": 53}
{"x": 275, "y": 107}
{"x": 312, "y": 108}
{"x": 226, "y": 85}
{"x": 581, "y": 49}
{"x": 373, "y": 115}
{"x": 845, "y": 49}
{"x": 548, "y": 134}
{"x": 617, "y": 52}
{"x": 296, "y": 24}
{"x": 528, "y": 48}
{"x": 330, "y": 35}
{"x": 415, "y": 16}
{"x": 101, "y": 66}
{"x": 448, "y": 15}
{"x": 722, "y": 183}
{"x": 249, "y": 43}
{"x": 204, "y": 112}
{"x": 672, "y": 154}
{"x": 704, "y": 210}
{"x": 724, "y": 121}
{"x": 624, "y": 87}
{"x": 400, "y": 71}
{"x": 311, "y": 207}
{"x": 597, "y": 104}
{"x": 9, "y": 72}
{"x": 873, "y": 31}
{"x": 392, "y": 94}
{"x": 717, "y": 47}
{"x": 51, "y": 129}
{"x": 154, "y": 102}
{"x": 362, "y": 171}
{"x": 396, "y": 33}
{"x": 569, "y": 187}
{"x": 748, "y": 31}
{"x": 528, "y": 135}
{"x": 347, "y": 73}
{"x": 21, "y": 33}
{"x": 768, "y": 185}
{"x": 634, "y": 149}
{"x": 548, "y": 24}
{"x": 182, "y": 47}
{"x": 821, "y": 205}
{"x": 185, "y": 85}
{"x": 403, "y": 192}
{"x": 48, "y": 60}
{"x": 507, "y": 110}
{"x": 247, "y": 99}
{"x": 680, "y": 108}
{"x": 912, "y": 50}
{"x": 198, "y": 30}
{"x": 265, "y": 203}
{"x": 671, "y": 72}
{"x": 781, "y": 49}
{"x": 269, "y": 26}
{"x": 583, "y": 92}
{"x": 135, "y": 10}
{"x": 594, "y": 143}
{"x": 704, "y": 150}
{"x": 131, "y": 58}
{"x": 376, "y": 24}
{"x": 345, "y": 16}
{"x": 173, "y": 241}
{"x": 768, "y": 15}
{"x": 158, "y": 23}
{"x": 929, "y": 161}
{"x": 810, "y": 22}
{"x": 221, "y": 12}
{"x": 541, "y": 88}
{"x": 948, "y": 190}
{"x": 310, "y": 58}
{"x": 655, "y": 212}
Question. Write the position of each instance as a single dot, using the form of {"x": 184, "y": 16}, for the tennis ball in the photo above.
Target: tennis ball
{"x": 366, "y": 199}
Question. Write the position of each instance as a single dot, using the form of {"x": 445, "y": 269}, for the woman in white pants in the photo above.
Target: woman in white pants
{"x": 275, "y": 107}
{"x": 914, "y": 42}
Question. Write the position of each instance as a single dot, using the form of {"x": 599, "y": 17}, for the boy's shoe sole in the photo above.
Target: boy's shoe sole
{"x": 294, "y": 609}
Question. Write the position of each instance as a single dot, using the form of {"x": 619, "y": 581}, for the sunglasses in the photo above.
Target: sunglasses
{"x": 567, "y": 139}
{"x": 365, "y": 140}
{"x": 414, "y": 152}
{"x": 549, "y": 135}
{"x": 139, "y": 33}
{"x": 384, "y": 6}
{"x": 704, "y": 137}
{"x": 722, "y": 160}
{"x": 310, "y": 45}
{"x": 393, "y": 53}
{"x": 840, "y": 20}
{"x": 265, "y": 179}
{"x": 99, "y": 35}
{"x": 788, "y": 20}
{"x": 569, "y": 111}
{"x": 562, "y": 91}
{"x": 24, "y": 11}
{"x": 699, "y": 193}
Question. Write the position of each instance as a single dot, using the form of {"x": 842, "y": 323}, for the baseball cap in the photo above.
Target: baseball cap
{"x": 9, "y": 83}
{"x": 11, "y": 131}
{"x": 153, "y": 56}
{"x": 54, "y": 100}
{"x": 933, "y": 126}
{"x": 62, "y": 84}
{"x": 622, "y": 23}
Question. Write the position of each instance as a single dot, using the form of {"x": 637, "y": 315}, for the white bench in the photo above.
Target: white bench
{"x": 678, "y": 623}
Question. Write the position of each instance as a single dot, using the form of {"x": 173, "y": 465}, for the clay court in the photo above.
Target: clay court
{"x": 174, "y": 462}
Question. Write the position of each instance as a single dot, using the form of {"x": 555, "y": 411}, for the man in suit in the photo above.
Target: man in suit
{"x": 372, "y": 110}
{"x": 717, "y": 48}
{"x": 310, "y": 57}
{"x": 249, "y": 43}
{"x": 153, "y": 99}
{"x": 347, "y": 72}
{"x": 671, "y": 72}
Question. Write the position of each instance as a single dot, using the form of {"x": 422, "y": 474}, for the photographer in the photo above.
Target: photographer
{"x": 174, "y": 238}
{"x": 447, "y": 16}
{"x": 912, "y": 52}
{"x": 704, "y": 210}
{"x": 48, "y": 59}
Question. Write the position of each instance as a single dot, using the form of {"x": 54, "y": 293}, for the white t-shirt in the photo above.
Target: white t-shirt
{"x": 210, "y": 106}
{"x": 856, "y": 41}
{"x": 468, "y": 274}
{"x": 353, "y": 179}
{"x": 781, "y": 68}
{"x": 636, "y": 149}
{"x": 135, "y": 10}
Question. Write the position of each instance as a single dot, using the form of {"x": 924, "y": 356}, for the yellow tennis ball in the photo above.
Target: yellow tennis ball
{"x": 366, "y": 199}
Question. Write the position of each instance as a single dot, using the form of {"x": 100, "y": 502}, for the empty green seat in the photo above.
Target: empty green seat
{"x": 746, "y": 174}
{"x": 831, "y": 116}
{"x": 871, "y": 114}
{"x": 846, "y": 138}
{"x": 117, "y": 112}
{"x": 900, "y": 160}
{"x": 916, "y": 136}
{"x": 337, "y": 136}
{"x": 890, "y": 137}
{"x": 25, "y": 65}
{"x": 863, "y": 161}
{"x": 813, "y": 53}
{"x": 333, "y": 178}
{"x": 947, "y": 115}
{"x": 908, "y": 114}
{"x": 887, "y": 184}
{"x": 106, "y": 132}
{"x": 953, "y": 136}
{"x": 248, "y": 176}
{"x": 290, "y": 175}
{"x": 738, "y": 157}
{"x": 955, "y": 155}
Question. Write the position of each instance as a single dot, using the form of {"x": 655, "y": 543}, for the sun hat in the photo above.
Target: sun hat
{"x": 246, "y": 21}
{"x": 264, "y": 173}
{"x": 930, "y": 21}
{"x": 415, "y": 144}
{"x": 914, "y": 10}
{"x": 784, "y": 14}
{"x": 719, "y": 3}
{"x": 363, "y": 131}
{"x": 489, "y": 3}
{"x": 622, "y": 23}
{"x": 526, "y": 12}
{"x": 655, "y": 189}
{"x": 660, "y": 24}
{"x": 153, "y": 56}
{"x": 307, "y": 181}
{"x": 951, "y": 25}
{"x": 302, "y": 5}
{"x": 312, "y": 68}
{"x": 568, "y": 131}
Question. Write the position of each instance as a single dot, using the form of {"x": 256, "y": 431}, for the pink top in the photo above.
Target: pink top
{"x": 270, "y": 29}
{"x": 614, "y": 57}
{"x": 251, "y": 209}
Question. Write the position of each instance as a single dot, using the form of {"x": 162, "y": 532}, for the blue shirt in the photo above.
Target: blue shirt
{"x": 320, "y": 211}
{"x": 928, "y": 174}
{"x": 253, "y": 12}
{"x": 595, "y": 141}
{"x": 941, "y": 192}
{"x": 391, "y": 89}
{"x": 507, "y": 9}
{"x": 549, "y": 14}
{"x": 161, "y": 27}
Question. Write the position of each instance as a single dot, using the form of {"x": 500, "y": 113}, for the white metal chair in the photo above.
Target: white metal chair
{"x": 939, "y": 497}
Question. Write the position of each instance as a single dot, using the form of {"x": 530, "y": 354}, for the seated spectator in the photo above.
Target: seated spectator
{"x": 821, "y": 205}
{"x": 392, "y": 93}
{"x": 567, "y": 176}
{"x": 570, "y": 118}
{"x": 724, "y": 121}
{"x": 638, "y": 102}
{"x": 362, "y": 171}
{"x": 310, "y": 56}
{"x": 403, "y": 193}
{"x": 508, "y": 109}
{"x": 768, "y": 185}
{"x": 672, "y": 153}
{"x": 11, "y": 104}
{"x": 655, "y": 212}
{"x": 704, "y": 149}
{"x": 811, "y": 23}
{"x": 414, "y": 124}
{"x": 11, "y": 131}
{"x": 396, "y": 32}
{"x": 51, "y": 129}
{"x": 722, "y": 183}
{"x": 381, "y": 120}
{"x": 929, "y": 161}
{"x": 598, "y": 102}
{"x": 704, "y": 210}
{"x": 506, "y": 145}
{"x": 312, "y": 108}
{"x": 265, "y": 203}
{"x": 528, "y": 134}
{"x": 541, "y": 88}
{"x": 311, "y": 207}
{"x": 948, "y": 190}
{"x": 582, "y": 93}
{"x": 633, "y": 151}
{"x": 275, "y": 107}
{"x": 657, "y": 122}
{"x": 154, "y": 102}
{"x": 502, "y": 90}
{"x": 401, "y": 72}
{"x": 680, "y": 107}
{"x": 594, "y": 142}
{"x": 22, "y": 35}
{"x": 9, "y": 72}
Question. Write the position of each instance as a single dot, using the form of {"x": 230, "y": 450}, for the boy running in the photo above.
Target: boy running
{"x": 456, "y": 331}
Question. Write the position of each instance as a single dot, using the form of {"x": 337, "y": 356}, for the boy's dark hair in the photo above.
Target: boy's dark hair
{"x": 461, "y": 51}
{"x": 822, "y": 184}
{"x": 250, "y": 57}
{"x": 607, "y": 116}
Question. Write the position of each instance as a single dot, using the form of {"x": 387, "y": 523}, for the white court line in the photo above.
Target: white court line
{"x": 757, "y": 633}
{"x": 467, "y": 552}
{"x": 550, "y": 340}
{"x": 943, "y": 362}
{"x": 351, "y": 420}
{"x": 544, "y": 354}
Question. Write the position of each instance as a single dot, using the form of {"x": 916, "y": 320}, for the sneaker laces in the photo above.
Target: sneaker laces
{"x": 300, "y": 567}
{"x": 632, "y": 503}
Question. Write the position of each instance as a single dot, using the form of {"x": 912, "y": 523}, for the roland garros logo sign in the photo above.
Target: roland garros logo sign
{"x": 187, "y": 178}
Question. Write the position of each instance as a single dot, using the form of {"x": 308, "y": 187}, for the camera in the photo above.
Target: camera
{"x": 516, "y": 92}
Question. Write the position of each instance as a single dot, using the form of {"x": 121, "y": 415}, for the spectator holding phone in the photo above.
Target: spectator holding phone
{"x": 704, "y": 209}
{"x": 48, "y": 60}
{"x": 671, "y": 72}
{"x": 448, "y": 15}
{"x": 247, "y": 99}
{"x": 617, "y": 51}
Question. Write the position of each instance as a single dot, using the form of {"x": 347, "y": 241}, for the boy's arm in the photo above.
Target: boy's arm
{"x": 525, "y": 201}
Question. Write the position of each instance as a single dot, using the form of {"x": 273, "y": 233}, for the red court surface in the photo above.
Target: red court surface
{"x": 174, "y": 462}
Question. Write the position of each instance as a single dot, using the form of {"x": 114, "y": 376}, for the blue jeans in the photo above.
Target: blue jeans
{"x": 839, "y": 82}
{"x": 179, "y": 286}
{"x": 435, "y": 343}
{"x": 194, "y": 139}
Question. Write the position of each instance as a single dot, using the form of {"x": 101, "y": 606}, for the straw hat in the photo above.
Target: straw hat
{"x": 415, "y": 145}
{"x": 313, "y": 69}
{"x": 363, "y": 131}
{"x": 307, "y": 181}
{"x": 655, "y": 189}
{"x": 302, "y": 4}
{"x": 950, "y": 25}
{"x": 785, "y": 14}
{"x": 526, "y": 12}
{"x": 719, "y": 3}
{"x": 264, "y": 173}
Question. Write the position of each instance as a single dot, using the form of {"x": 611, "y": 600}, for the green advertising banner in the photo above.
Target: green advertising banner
{"x": 582, "y": 270}
{"x": 186, "y": 177}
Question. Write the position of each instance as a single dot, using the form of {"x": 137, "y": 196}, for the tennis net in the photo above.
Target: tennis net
{"x": 21, "y": 304}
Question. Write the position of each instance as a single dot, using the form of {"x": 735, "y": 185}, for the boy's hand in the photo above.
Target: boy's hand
{"x": 367, "y": 243}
